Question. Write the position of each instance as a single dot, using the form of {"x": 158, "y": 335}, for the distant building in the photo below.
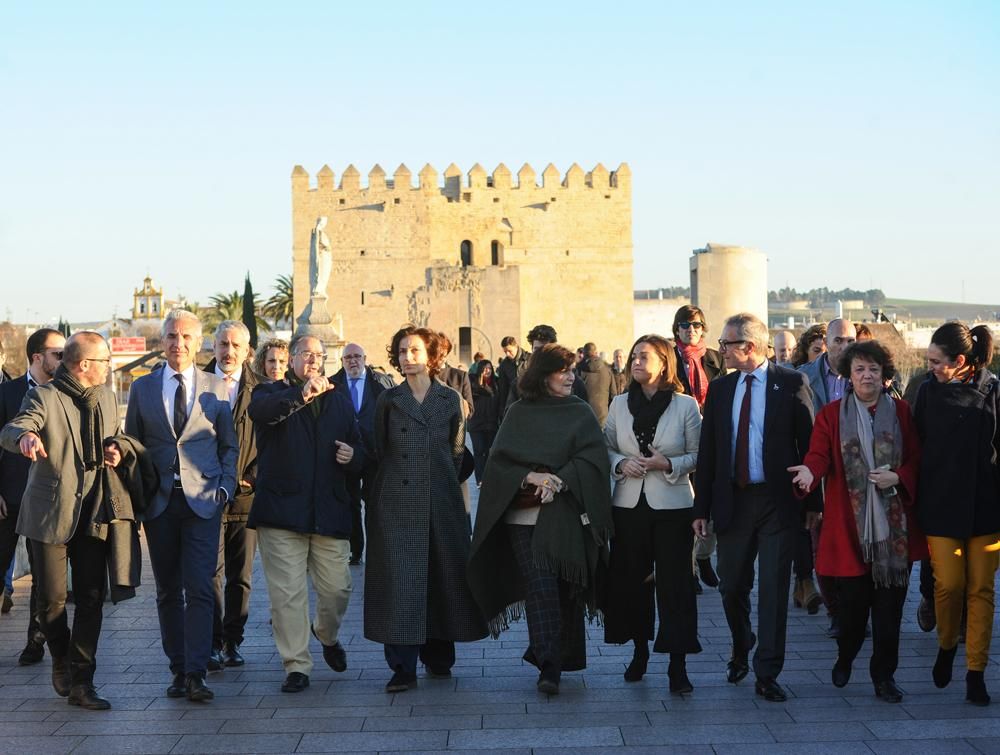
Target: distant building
{"x": 147, "y": 302}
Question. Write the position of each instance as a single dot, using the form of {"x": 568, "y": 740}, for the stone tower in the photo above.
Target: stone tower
{"x": 147, "y": 302}
{"x": 479, "y": 257}
{"x": 726, "y": 280}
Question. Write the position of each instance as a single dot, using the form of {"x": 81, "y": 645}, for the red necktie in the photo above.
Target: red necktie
{"x": 743, "y": 437}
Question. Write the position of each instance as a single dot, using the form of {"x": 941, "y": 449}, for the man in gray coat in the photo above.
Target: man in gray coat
{"x": 183, "y": 417}
{"x": 61, "y": 428}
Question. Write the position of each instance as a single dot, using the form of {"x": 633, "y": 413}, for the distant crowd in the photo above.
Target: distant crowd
{"x": 607, "y": 490}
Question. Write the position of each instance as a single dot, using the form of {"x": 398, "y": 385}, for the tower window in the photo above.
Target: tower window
{"x": 466, "y": 253}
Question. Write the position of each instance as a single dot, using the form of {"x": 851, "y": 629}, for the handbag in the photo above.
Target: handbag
{"x": 528, "y": 497}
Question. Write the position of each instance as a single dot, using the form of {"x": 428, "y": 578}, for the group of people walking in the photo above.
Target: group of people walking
{"x": 582, "y": 514}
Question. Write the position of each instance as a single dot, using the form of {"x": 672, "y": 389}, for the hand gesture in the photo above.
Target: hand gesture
{"x": 634, "y": 466}
{"x": 803, "y": 477}
{"x": 883, "y": 478}
{"x": 32, "y": 446}
{"x": 112, "y": 454}
{"x": 315, "y": 386}
{"x": 344, "y": 452}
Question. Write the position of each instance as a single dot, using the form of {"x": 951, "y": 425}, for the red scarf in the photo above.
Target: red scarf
{"x": 692, "y": 355}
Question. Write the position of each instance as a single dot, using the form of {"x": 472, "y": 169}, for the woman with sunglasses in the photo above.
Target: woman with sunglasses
{"x": 697, "y": 366}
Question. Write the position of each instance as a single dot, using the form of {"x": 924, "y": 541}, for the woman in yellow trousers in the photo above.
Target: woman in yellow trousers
{"x": 958, "y": 500}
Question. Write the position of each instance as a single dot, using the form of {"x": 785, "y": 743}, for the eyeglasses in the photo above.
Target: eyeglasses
{"x": 723, "y": 345}
{"x": 686, "y": 325}
{"x": 353, "y": 356}
{"x": 311, "y": 356}
{"x": 92, "y": 359}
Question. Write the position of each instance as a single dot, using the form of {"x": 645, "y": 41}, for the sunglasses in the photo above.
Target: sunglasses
{"x": 686, "y": 325}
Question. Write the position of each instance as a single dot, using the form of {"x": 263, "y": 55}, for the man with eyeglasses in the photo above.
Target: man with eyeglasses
{"x": 363, "y": 386}
{"x": 697, "y": 366}
{"x": 308, "y": 441}
{"x": 45, "y": 350}
{"x": 183, "y": 417}
{"x": 61, "y": 428}
{"x": 757, "y": 423}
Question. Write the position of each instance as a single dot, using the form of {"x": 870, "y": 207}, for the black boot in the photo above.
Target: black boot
{"x": 942, "y": 667}
{"x": 677, "y": 674}
{"x": 640, "y": 659}
{"x": 61, "y": 682}
{"x": 975, "y": 688}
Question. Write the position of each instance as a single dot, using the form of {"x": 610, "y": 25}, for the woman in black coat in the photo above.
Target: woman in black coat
{"x": 485, "y": 419}
{"x": 958, "y": 498}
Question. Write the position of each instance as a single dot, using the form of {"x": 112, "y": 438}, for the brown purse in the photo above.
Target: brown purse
{"x": 529, "y": 497}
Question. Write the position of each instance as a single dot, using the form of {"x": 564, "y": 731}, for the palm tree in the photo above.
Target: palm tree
{"x": 280, "y": 306}
{"x": 230, "y": 307}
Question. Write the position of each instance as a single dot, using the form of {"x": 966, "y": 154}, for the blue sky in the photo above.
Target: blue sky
{"x": 858, "y": 144}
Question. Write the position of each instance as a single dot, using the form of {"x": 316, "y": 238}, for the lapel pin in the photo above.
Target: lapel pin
{"x": 774, "y": 387}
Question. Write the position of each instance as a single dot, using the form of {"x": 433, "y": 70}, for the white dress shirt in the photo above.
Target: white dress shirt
{"x": 233, "y": 385}
{"x": 170, "y": 388}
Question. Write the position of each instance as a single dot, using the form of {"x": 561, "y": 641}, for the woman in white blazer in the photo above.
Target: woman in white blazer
{"x": 652, "y": 434}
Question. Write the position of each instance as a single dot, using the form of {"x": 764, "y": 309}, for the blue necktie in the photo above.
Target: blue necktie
{"x": 355, "y": 398}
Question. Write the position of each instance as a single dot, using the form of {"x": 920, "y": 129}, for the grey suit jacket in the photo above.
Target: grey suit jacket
{"x": 53, "y": 498}
{"x": 206, "y": 450}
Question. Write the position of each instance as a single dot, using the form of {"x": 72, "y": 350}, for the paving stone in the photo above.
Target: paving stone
{"x": 424, "y": 723}
{"x": 597, "y": 736}
{"x": 375, "y": 741}
{"x": 254, "y": 725}
{"x": 799, "y": 748}
{"x": 819, "y": 732}
{"x": 935, "y": 728}
{"x": 950, "y": 746}
{"x": 98, "y": 725}
{"x": 752, "y": 715}
{"x": 688, "y": 734}
{"x": 40, "y": 745}
{"x": 560, "y": 719}
{"x": 237, "y": 743}
{"x": 124, "y": 745}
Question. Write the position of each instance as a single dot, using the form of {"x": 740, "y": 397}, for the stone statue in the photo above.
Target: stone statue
{"x": 322, "y": 257}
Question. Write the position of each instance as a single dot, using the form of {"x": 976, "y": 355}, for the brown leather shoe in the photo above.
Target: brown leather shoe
{"x": 86, "y": 697}
{"x": 60, "y": 676}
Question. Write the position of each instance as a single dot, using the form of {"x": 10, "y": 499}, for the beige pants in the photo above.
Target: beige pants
{"x": 287, "y": 557}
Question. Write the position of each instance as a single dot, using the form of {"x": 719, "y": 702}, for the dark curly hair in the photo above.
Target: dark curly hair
{"x": 549, "y": 359}
{"x": 869, "y": 351}
{"x": 432, "y": 342}
{"x": 543, "y": 333}
{"x": 814, "y": 333}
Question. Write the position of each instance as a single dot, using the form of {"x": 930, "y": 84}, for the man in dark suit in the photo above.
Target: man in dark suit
{"x": 45, "y": 350}
{"x": 757, "y": 423}
{"x": 61, "y": 427}
{"x": 237, "y": 543}
{"x": 363, "y": 386}
{"x": 183, "y": 418}
{"x": 455, "y": 378}
{"x": 513, "y": 363}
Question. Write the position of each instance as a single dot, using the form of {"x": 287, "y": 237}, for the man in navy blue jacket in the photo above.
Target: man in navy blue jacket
{"x": 307, "y": 440}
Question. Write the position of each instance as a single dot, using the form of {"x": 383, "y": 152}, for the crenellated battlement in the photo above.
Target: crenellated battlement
{"x": 455, "y": 184}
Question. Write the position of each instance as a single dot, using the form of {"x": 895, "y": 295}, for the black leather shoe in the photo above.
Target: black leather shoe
{"x": 888, "y": 691}
{"x": 739, "y": 664}
{"x": 679, "y": 684}
{"x": 841, "y": 674}
{"x": 548, "y": 681}
{"x": 943, "y": 667}
{"x": 706, "y": 572}
{"x": 637, "y": 668}
{"x": 697, "y": 585}
{"x": 197, "y": 690}
{"x": 975, "y": 688}
{"x": 60, "y": 676}
{"x": 770, "y": 690}
{"x": 33, "y": 653}
{"x": 335, "y": 657}
{"x": 231, "y": 655}
{"x": 401, "y": 682}
{"x": 178, "y": 687}
{"x": 438, "y": 673}
{"x": 8, "y": 603}
{"x": 295, "y": 682}
{"x": 85, "y": 696}
{"x": 215, "y": 661}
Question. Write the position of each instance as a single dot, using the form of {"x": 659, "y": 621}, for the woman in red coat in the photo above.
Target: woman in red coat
{"x": 866, "y": 447}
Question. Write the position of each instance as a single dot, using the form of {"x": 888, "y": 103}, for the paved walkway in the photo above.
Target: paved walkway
{"x": 490, "y": 704}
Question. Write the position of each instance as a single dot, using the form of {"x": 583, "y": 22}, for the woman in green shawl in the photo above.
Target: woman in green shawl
{"x": 544, "y": 518}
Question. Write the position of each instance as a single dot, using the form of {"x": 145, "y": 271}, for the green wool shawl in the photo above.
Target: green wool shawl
{"x": 571, "y": 536}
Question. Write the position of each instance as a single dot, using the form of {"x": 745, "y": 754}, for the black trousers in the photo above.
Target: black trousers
{"x": 926, "y": 580}
{"x": 645, "y": 539}
{"x": 556, "y": 634}
{"x": 858, "y": 597}
{"x": 358, "y": 486}
{"x": 435, "y": 654}
{"x": 802, "y": 555}
{"x": 237, "y": 545}
{"x": 88, "y": 558}
{"x": 757, "y": 532}
{"x": 8, "y": 547}
{"x": 184, "y": 553}
{"x": 482, "y": 441}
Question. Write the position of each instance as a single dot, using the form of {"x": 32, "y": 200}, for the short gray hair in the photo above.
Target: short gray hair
{"x": 178, "y": 315}
{"x": 751, "y": 329}
{"x": 237, "y": 325}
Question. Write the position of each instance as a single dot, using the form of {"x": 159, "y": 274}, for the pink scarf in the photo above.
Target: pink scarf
{"x": 697, "y": 378}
